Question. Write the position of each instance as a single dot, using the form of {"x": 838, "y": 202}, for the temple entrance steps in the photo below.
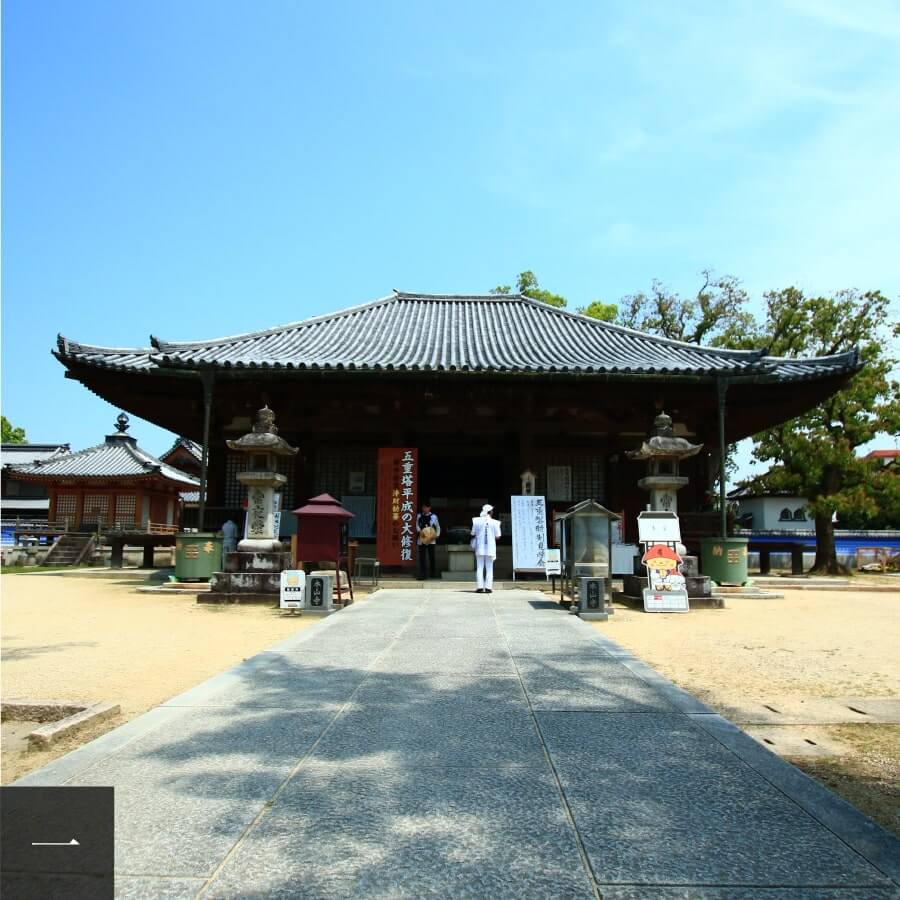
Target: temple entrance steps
{"x": 70, "y": 550}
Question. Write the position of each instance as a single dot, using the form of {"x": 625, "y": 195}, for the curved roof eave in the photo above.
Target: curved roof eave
{"x": 499, "y": 335}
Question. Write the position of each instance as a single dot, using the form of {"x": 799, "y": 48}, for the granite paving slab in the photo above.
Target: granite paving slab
{"x": 414, "y": 690}
{"x": 281, "y": 680}
{"x": 635, "y": 780}
{"x": 559, "y": 691}
{"x": 445, "y": 744}
{"x": 150, "y": 888}
{"x": 438, "y": 733}
{"x": 462, "y": 655}
{"x": 409, "y": 832}
{"x": 653, "y": 892}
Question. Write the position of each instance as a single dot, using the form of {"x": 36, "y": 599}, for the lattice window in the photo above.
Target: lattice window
{"x": 66, "y": 505}
{"x": 236, "y": 493}
{"x": 125, "y": 508}
{"x": 96, "y": 507}
{"x": 588, "y": 476}
{"x": 334, "y": 465}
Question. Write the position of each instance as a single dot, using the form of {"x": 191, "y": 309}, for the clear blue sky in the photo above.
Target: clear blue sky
{"x": 193, "y": 169}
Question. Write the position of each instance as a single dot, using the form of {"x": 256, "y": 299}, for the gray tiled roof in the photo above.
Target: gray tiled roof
{"x": 118, "y": 457}
{"x": 494, "y": 334}
{"x": 21, "y": 454}
{"x": 192, "y": 447}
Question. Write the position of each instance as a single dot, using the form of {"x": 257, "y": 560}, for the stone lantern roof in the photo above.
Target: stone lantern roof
{"x": 663, "y": 444}
{"x": 263, "y": 438}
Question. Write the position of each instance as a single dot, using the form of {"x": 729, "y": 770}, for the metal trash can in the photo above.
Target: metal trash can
{"x": 724, "y": 560}
{"x": 197, "y": 555}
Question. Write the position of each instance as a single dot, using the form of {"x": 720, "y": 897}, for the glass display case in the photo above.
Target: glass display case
{"x": 585, "y": 536}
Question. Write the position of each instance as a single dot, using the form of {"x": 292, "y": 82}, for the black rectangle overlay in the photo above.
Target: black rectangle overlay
{"x": 57, "y": 842}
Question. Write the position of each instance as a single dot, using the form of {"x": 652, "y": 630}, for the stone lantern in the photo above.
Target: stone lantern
{"x": 663, "y": 453}
{"x": 262, "y": 446}
{"x": 253, "y": 571}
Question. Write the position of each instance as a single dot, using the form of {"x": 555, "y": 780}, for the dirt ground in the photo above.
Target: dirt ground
{"x": 95, "y": 638}
{"x": 806, "y": 658}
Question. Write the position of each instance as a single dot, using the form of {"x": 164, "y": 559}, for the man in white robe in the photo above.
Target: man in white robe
{"x": 485, "y": 532}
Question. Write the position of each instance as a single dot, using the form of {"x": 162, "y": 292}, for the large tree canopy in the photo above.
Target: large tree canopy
{"x": 815, "y": 454}
{"x": 715, "y": 315}
{"x": 597, "y": 309}
{"x": 527, "y": 284}
{"x": 11, "y": 435}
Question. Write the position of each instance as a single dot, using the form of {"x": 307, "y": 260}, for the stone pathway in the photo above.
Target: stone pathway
{"x": 435, "y": 744}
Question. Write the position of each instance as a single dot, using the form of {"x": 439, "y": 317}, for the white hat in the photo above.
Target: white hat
{"x": 486, "y": 509}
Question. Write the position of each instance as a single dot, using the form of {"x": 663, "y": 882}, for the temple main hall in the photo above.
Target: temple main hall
{"x": 484, "y": 387}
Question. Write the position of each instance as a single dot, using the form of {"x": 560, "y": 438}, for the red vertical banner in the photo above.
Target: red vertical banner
{"x": 398, "y": 481}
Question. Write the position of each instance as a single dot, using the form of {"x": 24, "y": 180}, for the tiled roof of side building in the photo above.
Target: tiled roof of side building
{"x": 192, "y": 447}
{"x": 492, "y": 334}
{"x": 116, "y": 458}
{"x": 21, "y": 454}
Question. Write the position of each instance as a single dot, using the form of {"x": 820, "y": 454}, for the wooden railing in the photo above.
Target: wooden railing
{"x": 130, "y": 527}
{"x": 24, "y": 526}
{"x": 157, "y": 528}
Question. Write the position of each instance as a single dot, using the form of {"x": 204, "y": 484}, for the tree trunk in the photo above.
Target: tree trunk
{"x": 826, "y": 555}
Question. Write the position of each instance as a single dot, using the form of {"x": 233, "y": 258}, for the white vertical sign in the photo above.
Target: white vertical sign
{"x": 529, "y": 533}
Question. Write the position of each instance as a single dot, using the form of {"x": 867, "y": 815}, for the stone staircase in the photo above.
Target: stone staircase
{"x": 70, "y": 550}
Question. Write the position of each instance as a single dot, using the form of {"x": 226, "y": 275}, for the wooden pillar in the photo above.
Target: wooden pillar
{"x": 148, "y": 556}
{"x": 765, "y": 561}
{"x": 797, "y": 560}
{"x": 206, "y": 380}
{"x": 721, "y": 390}
{"x": 116, "y": 559}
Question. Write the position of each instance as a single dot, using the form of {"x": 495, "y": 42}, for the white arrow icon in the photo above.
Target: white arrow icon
{"x": 72, "y": 843}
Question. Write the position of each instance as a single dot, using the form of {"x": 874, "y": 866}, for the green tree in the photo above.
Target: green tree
{"x": 814, "y": 455}
{"x": 597, "y": 309}
{"x": 716, "y": 315}
{"x": 11, "y": 435}
{"x": 884, "y": 492}
{"x": 527, "y": 284}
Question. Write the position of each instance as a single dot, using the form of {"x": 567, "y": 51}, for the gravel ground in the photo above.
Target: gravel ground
{"x": 806, "y": 647}
{"x": 91, "y": 638}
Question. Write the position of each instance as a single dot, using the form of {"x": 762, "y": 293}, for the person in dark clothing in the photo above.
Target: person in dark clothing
{"x": 429, "y": 530}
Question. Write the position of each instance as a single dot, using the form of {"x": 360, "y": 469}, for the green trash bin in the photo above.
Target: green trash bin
{"x": 724, "y": 560}
{"x": 197, "y": 555}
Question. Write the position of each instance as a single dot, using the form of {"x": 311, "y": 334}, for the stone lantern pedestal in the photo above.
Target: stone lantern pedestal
{"x": 663, "y": 490}
{"x": 261, "y": 487}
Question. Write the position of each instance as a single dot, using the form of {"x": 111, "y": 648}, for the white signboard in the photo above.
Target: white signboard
{"x": 662, "y": 527}
{"x": 293, "y": 588}
{"x": 660, "y": 534}
{"x": 668, "y": 601}
{"x": 552, "y": 561}
{"x": 529, "y": 533}
{"x": 276, "y": 518}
